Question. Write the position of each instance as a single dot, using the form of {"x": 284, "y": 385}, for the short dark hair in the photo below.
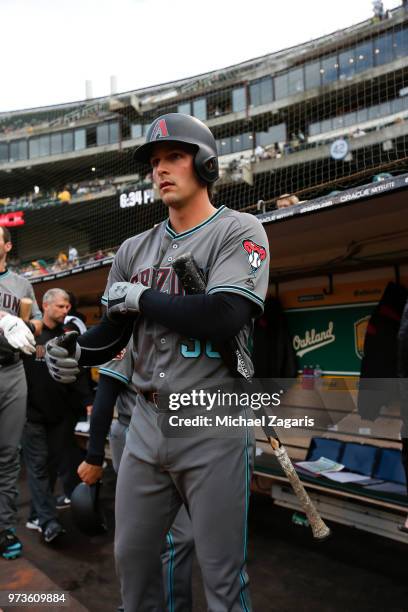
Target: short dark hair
{"x": 6, "y": 234}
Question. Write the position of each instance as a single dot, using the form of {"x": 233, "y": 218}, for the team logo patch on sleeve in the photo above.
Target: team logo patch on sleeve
{"x": 256, "y": 254}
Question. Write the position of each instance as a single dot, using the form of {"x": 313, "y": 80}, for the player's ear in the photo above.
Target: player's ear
{"x": 8, "y": 246}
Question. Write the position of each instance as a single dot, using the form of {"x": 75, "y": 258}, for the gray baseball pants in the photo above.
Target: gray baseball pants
{"x": 177, "y": 558}
{"x": 157, "y": 474}
{"x": 13, "y": 405}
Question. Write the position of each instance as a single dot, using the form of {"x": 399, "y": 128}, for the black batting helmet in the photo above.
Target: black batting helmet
{"x": 86, "y": 509}
{"x": 176, "y": 127}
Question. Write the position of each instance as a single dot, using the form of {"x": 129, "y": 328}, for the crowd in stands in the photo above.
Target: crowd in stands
{"x": 28, "y": 123}
{"x": 71, "y": 193}
{"x": 298, "y": 142}
{"x": 10, "y": 124}
{"x": 64, "y": 260}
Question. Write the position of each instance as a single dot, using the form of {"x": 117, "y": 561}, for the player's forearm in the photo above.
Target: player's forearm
{"x": 215, "y": 317}
{"x": 101, "y": 417}
{"x": 103, "y": 341}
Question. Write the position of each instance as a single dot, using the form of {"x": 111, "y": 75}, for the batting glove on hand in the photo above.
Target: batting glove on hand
{"x": 17, "y": 334}
{"x": 123, "y": 298}
{"x": 61, "y": 356}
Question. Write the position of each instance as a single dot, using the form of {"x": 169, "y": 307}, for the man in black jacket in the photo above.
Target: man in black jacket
{"x": 48, "y": 428}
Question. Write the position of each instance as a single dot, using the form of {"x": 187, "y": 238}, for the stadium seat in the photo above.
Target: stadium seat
{"x": 360, "y": 458}
{"x": 325, "y": 447}
{"x": 389, "y": 466}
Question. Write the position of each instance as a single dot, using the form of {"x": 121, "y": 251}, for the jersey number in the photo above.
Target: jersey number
{"x": 195, "y": 349}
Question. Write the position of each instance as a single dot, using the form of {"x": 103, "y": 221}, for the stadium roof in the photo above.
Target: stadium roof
{"x": 271, "y": 62}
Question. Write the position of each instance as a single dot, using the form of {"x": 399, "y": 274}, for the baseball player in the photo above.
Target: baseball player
{"x": 19, "y": 336}
{"x": 115, "y": 387}
{"x": 174, "y": 336}
{"x": 48, "y": 432}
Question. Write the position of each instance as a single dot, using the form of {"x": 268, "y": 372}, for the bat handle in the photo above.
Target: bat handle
{"x": 319, "y": 528}
{"x": 68, "y": 341}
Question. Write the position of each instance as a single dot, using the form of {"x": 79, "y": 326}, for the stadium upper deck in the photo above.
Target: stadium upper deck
{"x": 259, "y": 102}
{"x": 277, "y": 120}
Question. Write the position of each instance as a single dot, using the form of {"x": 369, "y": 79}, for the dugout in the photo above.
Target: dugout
{"x": 331, "y": 259}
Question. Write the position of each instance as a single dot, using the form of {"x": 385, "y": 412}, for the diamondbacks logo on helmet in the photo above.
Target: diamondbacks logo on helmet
{"x": 159, "y": 130}
{"x": 256, "y": 254}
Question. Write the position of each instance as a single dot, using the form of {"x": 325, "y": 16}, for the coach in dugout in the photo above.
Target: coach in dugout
{"x": 16, "y": 337}
{"x": 51, "y": 409}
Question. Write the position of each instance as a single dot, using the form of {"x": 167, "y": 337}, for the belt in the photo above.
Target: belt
{"x": 10, "y": 360}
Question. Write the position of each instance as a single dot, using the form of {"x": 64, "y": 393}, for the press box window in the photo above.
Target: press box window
{"x": 364, "y": 56}
{"x": 136, "y": 130}
{"x": 113, "y": 132}
{"x": 281, "y": 86}
{"x": 238, "y": 99}
{"x": 275, "y": 133}
{"x": 224, "y": 146}
{"x": 347, "y": 64}
{"x": 56, "y": 143}
{"x": 184, "y": 108}
{"x": 383, "y": 49}
{"x": 67, "y": 142}
{"x": 200, "y": 109}
{"x": 102, "y": 134}
{"x": 79, "y": 140}
{"x": 34, "y": 147}
{"x": 401, "y": 42}
{"x": 18, "y": 150}
{"x": 295, "y": 81}
{"x": 329, "y": 69}
{"x": 44, "y": 145}
{"x": 3, "y": 152}
{"x": 312, "y": 75}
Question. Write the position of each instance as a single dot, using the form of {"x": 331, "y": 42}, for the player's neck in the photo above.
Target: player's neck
{"x": 183, "y": 219}
{"x": 3, "y": 265}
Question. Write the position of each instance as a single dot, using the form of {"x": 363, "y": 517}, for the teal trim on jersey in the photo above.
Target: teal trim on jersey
{"x": 235, "y": 289}
{"x": 176, "y": 236}
{"x": 4, "y": 274}
{"x": 243, "y": 579}
{"x": 170, "y": 580}
{"x": 104, "y": 300}
{"x": 114, "y": 374}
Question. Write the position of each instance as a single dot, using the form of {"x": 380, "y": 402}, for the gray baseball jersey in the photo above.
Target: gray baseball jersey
{"x": 13, "y": 400}
{"x": 12, "y": 289}
{"x": 231, "y": 248}
{"x": 157, "y": 473}
{"x": 121, "y": 367}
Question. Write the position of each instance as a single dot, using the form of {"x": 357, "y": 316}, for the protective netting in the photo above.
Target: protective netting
{"x": 320, "y": 117}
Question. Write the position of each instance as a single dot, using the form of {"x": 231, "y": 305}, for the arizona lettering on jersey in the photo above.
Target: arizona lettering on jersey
{"x": 161, "y": 356}
{"x": 12, "y": 289}
{"x": 163, "y": 279}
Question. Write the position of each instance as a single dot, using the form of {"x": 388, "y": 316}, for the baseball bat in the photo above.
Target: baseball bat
{"x": 193, "y": 282}
{"x": 25, "y": 308}
{"x": 68, "y": 341}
